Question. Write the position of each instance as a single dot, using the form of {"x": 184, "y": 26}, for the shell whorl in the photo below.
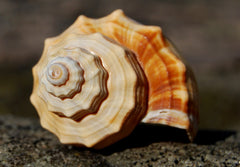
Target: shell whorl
{"x": 85, "y": 86}
{"x": 64, "y": 77}
{"x": 105, "y": 90}
{"x": 57, "y": 74}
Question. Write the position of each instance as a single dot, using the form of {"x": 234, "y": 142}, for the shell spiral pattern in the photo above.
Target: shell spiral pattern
{"x": 90, "y": 88}
{"x": 97, "y": 80}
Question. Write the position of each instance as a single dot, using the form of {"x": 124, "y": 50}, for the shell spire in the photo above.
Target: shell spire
{"x": 89, "y": 90}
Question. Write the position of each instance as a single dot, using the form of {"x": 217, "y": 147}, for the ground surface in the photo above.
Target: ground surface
{"x": 24, "y": 143}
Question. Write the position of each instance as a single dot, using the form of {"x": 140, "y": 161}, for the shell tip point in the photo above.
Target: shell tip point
{"x": 118, "y": 12}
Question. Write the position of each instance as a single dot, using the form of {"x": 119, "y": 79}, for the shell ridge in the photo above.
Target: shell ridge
{"x": 149, "y": 44}
{"x": 158, "y": 35}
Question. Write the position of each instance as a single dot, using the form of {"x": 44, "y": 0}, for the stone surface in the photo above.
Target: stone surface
{"x": 24, "y": 143}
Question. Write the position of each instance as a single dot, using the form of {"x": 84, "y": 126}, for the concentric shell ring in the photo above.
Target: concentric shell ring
{"x": 112, "y": 98}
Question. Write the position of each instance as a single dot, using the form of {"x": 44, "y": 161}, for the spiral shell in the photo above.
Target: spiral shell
{"x": 97, "y": 80}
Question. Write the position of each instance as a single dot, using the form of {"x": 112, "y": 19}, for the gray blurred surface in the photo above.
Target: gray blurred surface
{"x": 207, "y": 34}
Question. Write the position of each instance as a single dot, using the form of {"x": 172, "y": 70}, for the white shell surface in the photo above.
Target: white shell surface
{"x": 110, "y": 90}
{"x": 59, "y": 83}
{"x": 57, "y": 74}
{"x": 77, "y": 100}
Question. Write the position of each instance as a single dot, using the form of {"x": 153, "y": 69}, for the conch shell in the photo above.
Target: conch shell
{"x": 101, "y": 77}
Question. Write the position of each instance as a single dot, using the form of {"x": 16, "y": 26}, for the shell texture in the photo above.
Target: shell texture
{"x": 97, "y": 80}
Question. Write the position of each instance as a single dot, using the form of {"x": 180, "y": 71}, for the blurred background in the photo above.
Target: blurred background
{"x": 206, "y": 33}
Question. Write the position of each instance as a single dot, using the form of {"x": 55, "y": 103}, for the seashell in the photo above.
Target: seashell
{"x": 101, "y": 77}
